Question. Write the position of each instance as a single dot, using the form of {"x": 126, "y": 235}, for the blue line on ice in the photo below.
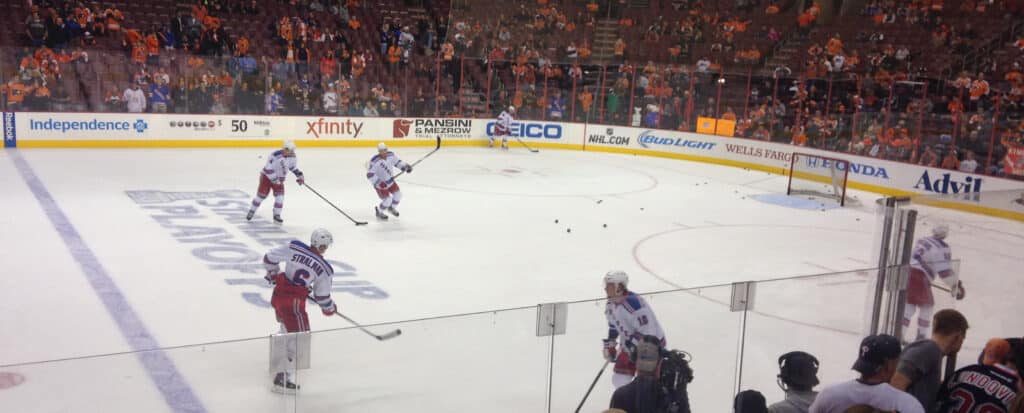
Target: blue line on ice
{"x": 158, "y": 365}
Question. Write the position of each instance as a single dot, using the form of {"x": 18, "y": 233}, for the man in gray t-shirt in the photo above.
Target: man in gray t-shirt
{"x": 919, "y": 371}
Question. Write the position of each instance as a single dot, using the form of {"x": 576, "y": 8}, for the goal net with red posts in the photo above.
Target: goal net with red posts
{"x": 818, "y": 176}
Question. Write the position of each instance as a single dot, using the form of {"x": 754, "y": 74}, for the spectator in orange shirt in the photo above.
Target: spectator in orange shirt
{"x": 729, "y": 114}
{"x": 394, "y": 55}
{"x": 354, "y": 23}
{"x": 586, "y": 103}
{"x": 955, "y": 106}
{"x": 242, "y": 46}
{"x": 152, "y": 49}
{"x": 950, "y": 161}
{"x": 804, "y": 22}
{"x": 834, "y": 45}
{"x": 584, "y": 50}
{"x": 113, "y": 18}
{"x": 799, "y": 137}
{"x": 328, "y": 67}
{"x": 620, "y": 48}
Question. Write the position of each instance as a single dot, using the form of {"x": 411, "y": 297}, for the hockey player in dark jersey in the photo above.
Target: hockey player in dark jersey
{"x": 987, "y": 387}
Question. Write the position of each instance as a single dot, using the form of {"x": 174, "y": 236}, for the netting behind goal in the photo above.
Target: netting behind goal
{"x": 818, "y": 176}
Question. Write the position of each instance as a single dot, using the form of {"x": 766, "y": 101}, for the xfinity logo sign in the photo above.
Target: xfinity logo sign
{"x": 531, "y": 130}
{"x": 647, "y": 139}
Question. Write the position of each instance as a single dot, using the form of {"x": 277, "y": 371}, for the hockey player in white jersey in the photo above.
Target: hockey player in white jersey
{"x": 305, "y": 271}
{"x": 503, "y": 127}
{"x": 629, "y": 319}
{"x": 381, "y": 173}
{"x": 931, "y": 259}
{"x": 272, "y": 177}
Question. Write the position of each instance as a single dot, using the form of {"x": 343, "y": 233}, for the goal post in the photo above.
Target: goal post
{"x": 818, "y": 175}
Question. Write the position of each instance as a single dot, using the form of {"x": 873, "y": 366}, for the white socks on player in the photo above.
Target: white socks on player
{"x": 278, "y": 204}
{"x": 392, "y": 200}
{"x": 619, "y": 379}
{"x": 256, "y": 202}
{"x": 924, "y": 320}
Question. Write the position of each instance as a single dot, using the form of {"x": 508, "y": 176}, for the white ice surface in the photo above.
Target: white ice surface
{"x": 477, "y": 233}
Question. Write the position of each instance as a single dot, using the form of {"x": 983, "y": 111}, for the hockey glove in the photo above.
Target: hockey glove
{"x": 300, "y": 178}
{"x": 958, "y": 290}
{"x": 407, "y": 169}
{"x": 271, "y": 277}
{"x": 609, "y": 349}
{"x": 329, "y": 311}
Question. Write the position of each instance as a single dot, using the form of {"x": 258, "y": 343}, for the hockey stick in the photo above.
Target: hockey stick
{"x": 585, "y": 396}
{"x": 421, "y": 159}
{"x": 526, "y": 146}
{"x": 335, "y": 206}
{"x": 381, "y": 337}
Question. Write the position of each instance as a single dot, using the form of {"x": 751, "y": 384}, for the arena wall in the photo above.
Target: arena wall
{"x": 952, "y": 189}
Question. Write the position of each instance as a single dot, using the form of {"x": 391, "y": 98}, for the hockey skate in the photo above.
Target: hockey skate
{"x": 277, "y": 219}
{"x": 504, "y": 145}
{"x": 490, "y": 144}
{"x": 248, "y": 217}
{"x": 283, "y": 385}
{"x": 380, "y": 214}
{"x": 393, "y": 211}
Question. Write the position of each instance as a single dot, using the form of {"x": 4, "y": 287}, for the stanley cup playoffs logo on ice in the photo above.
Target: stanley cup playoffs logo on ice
{"x": 212, "y": 225}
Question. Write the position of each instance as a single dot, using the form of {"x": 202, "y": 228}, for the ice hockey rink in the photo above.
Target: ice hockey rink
{"x": 110, "y": 254}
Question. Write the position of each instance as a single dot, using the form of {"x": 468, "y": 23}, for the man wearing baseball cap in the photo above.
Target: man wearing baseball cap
{"x": 876, "y": 363}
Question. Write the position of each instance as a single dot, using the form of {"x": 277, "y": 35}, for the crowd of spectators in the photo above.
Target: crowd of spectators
{"x": 857, "y": 95}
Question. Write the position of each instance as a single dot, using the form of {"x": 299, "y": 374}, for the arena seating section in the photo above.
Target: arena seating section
{"x": 667, "y": 42}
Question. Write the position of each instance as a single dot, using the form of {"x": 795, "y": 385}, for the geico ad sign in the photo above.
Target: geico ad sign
{"x": 531, "y": 130}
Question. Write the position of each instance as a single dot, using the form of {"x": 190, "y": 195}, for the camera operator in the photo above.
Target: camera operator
{"x": 661, "y": 379}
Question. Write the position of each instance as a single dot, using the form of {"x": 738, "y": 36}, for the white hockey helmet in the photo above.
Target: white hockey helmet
{"x": 382, "y": 147}
{"x": 511, "y": 108}
{"x": 289, "y": 145}
{"x": 616, "y": 277}
{"x": 321, "y": 237}
{"x": 940, "y": 231}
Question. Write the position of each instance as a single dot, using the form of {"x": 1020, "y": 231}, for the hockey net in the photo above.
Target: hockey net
{"x": 818, "y": 176}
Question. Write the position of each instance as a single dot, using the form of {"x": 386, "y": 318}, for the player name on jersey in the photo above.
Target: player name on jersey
{"x": 309, "y": 262}
{"x": 993, "y": 387}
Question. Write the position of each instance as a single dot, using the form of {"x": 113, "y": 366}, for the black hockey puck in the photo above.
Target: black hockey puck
{"x": 556, "y": 221}
{"x": 641, "y": 209}
{"x": 605, "y": 225}
{"x": 600, "y": 201}
{"x": 568, "y": 230}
